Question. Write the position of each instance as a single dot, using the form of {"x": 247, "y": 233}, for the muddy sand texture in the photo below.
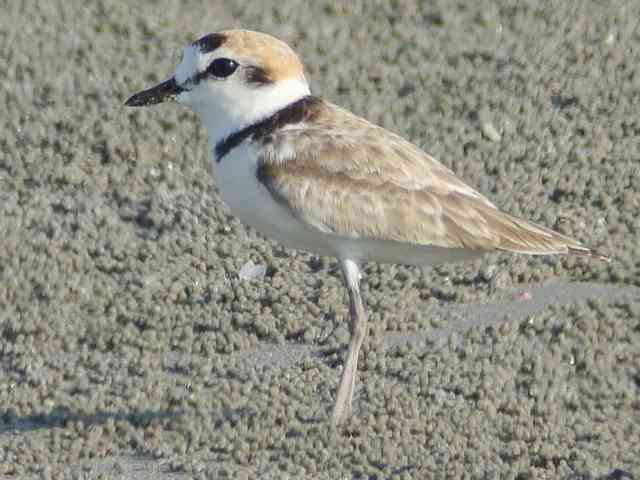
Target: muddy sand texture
{"x": 131, "y": 348}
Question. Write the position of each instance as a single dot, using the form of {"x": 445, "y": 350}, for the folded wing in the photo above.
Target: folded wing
{"x": 343, "y": 175}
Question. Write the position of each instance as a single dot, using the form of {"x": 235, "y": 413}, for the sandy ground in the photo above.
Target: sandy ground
{"x": 130, "y": 346}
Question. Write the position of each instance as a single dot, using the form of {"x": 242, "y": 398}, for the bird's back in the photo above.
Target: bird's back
{"x": 344, "y": 176}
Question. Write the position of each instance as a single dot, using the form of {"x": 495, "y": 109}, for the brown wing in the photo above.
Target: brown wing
{"x": 343, "y": 175}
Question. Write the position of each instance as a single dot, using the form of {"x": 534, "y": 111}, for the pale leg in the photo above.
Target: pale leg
{"x": 351, "y": 273}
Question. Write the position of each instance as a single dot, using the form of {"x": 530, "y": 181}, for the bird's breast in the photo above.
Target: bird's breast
{"x": 249, "y": 200}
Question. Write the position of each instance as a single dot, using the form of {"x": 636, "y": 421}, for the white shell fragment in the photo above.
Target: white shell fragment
{"x": 251, "y": 271}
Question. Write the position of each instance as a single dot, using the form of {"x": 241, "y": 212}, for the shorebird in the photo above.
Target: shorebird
{"x": 317, "y": 177}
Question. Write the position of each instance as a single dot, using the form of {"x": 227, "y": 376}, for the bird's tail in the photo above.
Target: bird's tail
{"x": 522, "y": 236}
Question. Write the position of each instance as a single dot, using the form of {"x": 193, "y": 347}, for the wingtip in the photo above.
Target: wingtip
{"x": 588, "y": 252}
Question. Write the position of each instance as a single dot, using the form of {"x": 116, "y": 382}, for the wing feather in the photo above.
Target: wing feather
{"x": 343, "y": 175}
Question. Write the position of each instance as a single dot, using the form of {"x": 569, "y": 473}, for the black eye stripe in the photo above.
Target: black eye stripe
{"x": 222, "y": 67}
{"x": 258, "y": 76}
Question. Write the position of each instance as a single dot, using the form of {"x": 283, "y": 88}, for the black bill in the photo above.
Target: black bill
{"x": 158, "y": 94}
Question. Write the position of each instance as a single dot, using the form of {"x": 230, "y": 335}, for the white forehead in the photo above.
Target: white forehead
{"x": 192, "y": 62}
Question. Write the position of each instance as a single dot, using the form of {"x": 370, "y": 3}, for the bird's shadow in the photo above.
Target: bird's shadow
{"x": 61, "y": 416}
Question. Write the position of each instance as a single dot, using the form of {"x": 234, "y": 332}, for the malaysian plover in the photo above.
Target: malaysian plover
{"x": 319, "y": 178}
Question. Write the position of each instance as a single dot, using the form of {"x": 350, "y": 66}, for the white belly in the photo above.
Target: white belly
{"x": 252, "y": 203}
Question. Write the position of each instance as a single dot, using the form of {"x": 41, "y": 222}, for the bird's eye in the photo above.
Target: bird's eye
{"x": 222, "y": 67}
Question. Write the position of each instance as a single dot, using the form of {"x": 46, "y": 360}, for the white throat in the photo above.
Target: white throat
{"x": 225, "y": 111}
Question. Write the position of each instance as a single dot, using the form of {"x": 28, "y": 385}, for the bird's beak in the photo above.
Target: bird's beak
{"x": 158, "y": 94}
